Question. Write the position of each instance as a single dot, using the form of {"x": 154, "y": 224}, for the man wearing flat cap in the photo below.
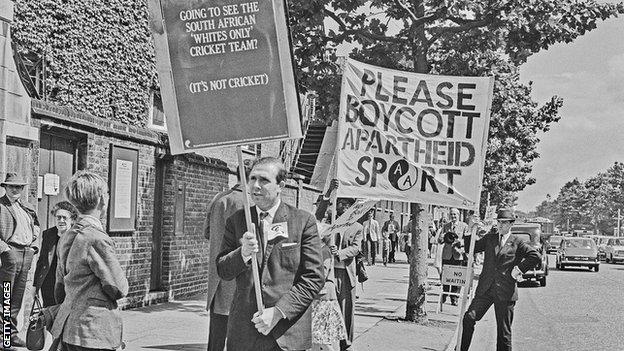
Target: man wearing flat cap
{"x": 19, "y": 229}
{"x": 506, "y": 259}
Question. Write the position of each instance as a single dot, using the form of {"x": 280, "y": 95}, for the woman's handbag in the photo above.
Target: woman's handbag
{"x": 35, "y": 336}
{"x": 360, "y": 271}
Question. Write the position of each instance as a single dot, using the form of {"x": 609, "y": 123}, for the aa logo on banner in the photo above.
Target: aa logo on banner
{"x": 412, "y": 137}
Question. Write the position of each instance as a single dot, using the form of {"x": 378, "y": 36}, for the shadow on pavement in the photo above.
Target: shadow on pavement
{"x": 180, "y": 347}
{"x": 181, "y": 306}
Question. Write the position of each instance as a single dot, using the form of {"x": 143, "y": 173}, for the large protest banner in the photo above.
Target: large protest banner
{"x": 412, "y": 137}
{"x": 225, "y": 72}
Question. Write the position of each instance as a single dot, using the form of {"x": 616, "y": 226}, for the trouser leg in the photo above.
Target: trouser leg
{"x": 373, "y": 250}
{"x": 14, "y": 269}
{"x": 217, "y": 331}
{"x": 476, "y": 310}
{"x": 504, "y": 317}
{"x": 346, "y": 296}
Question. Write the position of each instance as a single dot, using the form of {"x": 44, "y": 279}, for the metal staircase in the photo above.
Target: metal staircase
{"x": 305, "y": 160}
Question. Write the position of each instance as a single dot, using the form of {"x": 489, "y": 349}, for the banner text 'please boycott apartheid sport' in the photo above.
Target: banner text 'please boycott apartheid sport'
{"x": 412, "y": 137}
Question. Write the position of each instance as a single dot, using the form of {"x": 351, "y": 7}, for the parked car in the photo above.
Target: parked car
{"x": 531, "y": 233}
{"x": 614, "y": 250}
{"x": 553, "y": 244}
{"x": 578, "y": 252}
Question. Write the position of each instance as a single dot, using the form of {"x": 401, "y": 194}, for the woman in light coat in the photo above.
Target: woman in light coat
{"x": 89, "y": 277}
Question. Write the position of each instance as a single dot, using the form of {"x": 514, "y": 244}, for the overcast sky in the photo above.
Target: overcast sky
{"x": 589, "y": 138}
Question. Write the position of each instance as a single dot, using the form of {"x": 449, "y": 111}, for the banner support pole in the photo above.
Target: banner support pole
{"x": 469, "y": 283}
{"x": 250, "y": 228}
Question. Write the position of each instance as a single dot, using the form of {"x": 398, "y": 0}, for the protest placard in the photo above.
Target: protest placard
{"x": 454, "y": 275}
{"x": 412, "y": 137}
{"x": 225, "y": 72}
{"x": 350, "y": 216}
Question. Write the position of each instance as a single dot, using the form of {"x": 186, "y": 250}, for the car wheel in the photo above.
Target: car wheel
{"x": 542, "y": 281}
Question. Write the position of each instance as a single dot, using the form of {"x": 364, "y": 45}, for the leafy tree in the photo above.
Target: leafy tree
{"x": 483, "y": 37}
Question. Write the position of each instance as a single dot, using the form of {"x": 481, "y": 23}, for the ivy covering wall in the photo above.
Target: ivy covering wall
{"x": 99, "y": 54}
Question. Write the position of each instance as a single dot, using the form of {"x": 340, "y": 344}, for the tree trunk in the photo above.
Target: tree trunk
{"x": 416, "y": 293}
{"x": 416, "y": 310}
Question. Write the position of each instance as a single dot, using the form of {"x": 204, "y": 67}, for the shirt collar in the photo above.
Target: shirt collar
{"x": 93, "y": 221}
{"x": 271, "y": 211}
{"x": 505, "y": 237}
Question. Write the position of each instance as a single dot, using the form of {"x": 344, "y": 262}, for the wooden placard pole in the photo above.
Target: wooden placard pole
{"x": 250, "y": 227}
{"x": 468, "y": 285}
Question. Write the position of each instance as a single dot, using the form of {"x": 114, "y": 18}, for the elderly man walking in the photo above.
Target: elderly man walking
{"x": 19, "y": 229}
{"x": 507, "y": 257}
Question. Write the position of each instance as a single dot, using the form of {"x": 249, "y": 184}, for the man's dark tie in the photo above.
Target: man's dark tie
{"x": 263, "y": 215}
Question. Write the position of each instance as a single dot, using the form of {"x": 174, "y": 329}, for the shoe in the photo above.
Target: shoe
{"x": 17, "y": 341}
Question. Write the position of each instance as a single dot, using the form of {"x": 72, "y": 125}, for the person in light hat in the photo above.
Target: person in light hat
{"x": 19, "y": 229}
{"x": 507, "y": 257}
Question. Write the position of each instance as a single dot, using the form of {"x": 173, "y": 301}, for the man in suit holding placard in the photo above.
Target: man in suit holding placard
{"x": 290, "y": 265}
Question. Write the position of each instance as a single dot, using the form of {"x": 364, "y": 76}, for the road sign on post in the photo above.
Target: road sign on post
{"x": 225, "y": 72}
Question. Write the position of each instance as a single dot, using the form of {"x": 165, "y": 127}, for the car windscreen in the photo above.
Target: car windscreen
{"x": 524, "y": 237}
{"x": 555, "y": 240}
{"x": 618, "y": 242}
{"x": 582, "y": 243}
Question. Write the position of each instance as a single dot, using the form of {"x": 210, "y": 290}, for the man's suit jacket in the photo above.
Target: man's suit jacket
{"x": 460, "y": 228}
{"x": 291, "y": 275}
{"x": 350, "y": 246}
{"x": 8, "y": 223}
{"x": 89, "y": 281}
{"x": 499, "y": 262}
{"x": 221, "y": 208}
{"x": 46, "y": 256}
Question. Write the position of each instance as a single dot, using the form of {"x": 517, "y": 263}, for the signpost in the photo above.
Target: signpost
{"x": 226, "y": 77}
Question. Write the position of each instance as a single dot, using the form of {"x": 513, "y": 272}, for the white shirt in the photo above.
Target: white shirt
{"x": 266, "y": 222}
{"x": 504, "y": 238}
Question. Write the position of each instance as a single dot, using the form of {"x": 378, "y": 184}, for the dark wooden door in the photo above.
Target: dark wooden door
{"x": 58, "y": 154}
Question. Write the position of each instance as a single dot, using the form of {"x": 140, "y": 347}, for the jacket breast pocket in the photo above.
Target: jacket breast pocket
{"x": 289, "y": 257}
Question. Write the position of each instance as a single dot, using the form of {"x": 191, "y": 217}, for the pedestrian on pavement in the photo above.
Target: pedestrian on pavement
{"x": 220, "y": 292}
{"x": 432, "y": 239}
{"x": 372, "y": 235}
{"x": 345, "y": 249}
{"x": 328, "y": 327}
{"x": 391, "y": 227}
{"x": 452, "y": 254}
{"x": 454, "y": 225}
{"x": 65, "y": 215}
{"x": 408, "y": 245}
{"x": 506, "y": 259}
{"x": 89, "y": 278}
{"x": 19, "y": 230}
{"x": 290, "y": 266}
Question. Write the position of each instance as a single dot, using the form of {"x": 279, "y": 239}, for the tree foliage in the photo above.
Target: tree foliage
{"x": 99, "y": 55}
{"x": 591, "y": 203}
{"x": 471, "y": 38}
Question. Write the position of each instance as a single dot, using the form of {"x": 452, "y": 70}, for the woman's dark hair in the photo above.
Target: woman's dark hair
{"x": 67, "y": 206}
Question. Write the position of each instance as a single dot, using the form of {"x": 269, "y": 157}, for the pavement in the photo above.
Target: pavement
{"x": 379, "y": 324}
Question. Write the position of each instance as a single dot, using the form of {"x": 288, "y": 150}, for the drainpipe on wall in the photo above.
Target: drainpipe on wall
{"x": 6, "y": 17}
